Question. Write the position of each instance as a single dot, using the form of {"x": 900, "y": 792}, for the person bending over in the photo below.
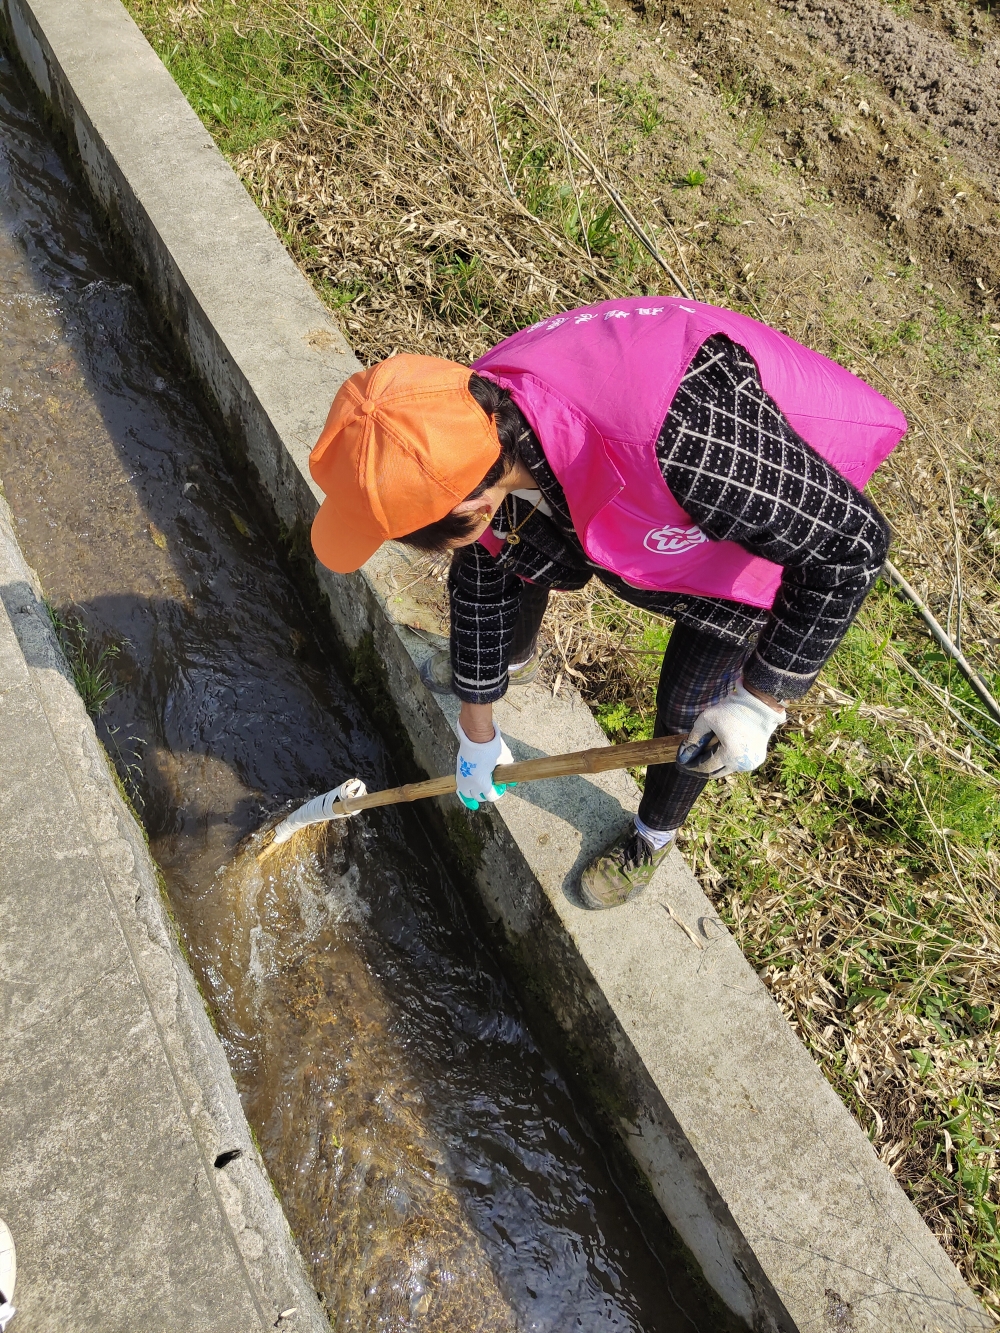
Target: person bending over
{"x": 703, "y": 466}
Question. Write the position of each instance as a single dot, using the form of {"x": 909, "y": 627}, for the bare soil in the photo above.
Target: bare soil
{"x": 941, "y": 62}
{"x": 886, "y": 113}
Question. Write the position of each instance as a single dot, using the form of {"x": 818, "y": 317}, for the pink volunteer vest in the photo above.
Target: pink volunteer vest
{"x": 596, "y": 384}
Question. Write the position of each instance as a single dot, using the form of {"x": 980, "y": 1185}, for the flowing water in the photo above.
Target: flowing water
{"x": 431, "y": 1160}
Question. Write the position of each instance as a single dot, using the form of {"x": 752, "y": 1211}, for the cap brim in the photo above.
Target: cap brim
{"x": 344, "y": 546}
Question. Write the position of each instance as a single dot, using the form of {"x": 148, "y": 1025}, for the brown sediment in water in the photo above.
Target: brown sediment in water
{"x": 366, "y": 1162}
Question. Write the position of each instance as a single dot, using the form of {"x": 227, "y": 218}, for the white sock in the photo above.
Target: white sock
{"x": 516, "y": 666}
{"x": 655, "y": 838}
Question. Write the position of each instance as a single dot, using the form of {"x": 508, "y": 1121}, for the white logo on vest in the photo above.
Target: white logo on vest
{"x": 669, "y": 540}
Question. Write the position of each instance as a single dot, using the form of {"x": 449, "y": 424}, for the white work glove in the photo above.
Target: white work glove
{"x": 730, "y": 736}
{"x": 474, "y": 769}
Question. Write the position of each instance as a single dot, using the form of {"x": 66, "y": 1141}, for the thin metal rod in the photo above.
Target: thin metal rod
{"x": 961, "y": 661}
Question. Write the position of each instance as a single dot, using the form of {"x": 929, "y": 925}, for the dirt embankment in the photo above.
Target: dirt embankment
{"x": 947, "y": 75}
{"x": 885, "y": 112}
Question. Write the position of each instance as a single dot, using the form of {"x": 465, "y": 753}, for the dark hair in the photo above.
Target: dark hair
{"x": 498, "y": 404}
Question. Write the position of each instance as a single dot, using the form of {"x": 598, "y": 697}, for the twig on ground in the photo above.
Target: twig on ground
{"x": 939, "y": 695}
{"x": 493, "y": 115}
{"x": 562, "y": 138}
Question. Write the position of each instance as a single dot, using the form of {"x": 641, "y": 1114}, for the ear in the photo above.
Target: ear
{"x": 480, "y": 505}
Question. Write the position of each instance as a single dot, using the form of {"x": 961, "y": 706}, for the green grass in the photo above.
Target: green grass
{"x": 220, "y": 84}
{"x": 244, "y": 79}
{"x": 639, "y": 99}
{"x": 955, "y": 340}
{"x": 89, "y": 664}
{"x": 858, "y": 869}
{"x": 596, "y": 14}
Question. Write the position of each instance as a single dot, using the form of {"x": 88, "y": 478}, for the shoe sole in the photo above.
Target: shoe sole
{"x": 594, "y": 904}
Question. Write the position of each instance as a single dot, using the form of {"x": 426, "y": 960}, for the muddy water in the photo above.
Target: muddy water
{"x": 431, "y": 1160}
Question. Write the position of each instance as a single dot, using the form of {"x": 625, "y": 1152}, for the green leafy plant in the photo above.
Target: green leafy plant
{"x": 89, "y": 665}
{"x": 601, "y": 234}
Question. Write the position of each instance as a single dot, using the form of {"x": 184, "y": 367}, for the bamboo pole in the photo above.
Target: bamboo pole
{"x": 603, "y": 759}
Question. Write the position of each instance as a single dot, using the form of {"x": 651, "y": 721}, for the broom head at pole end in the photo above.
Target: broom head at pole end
{"x": 318, "y": 810}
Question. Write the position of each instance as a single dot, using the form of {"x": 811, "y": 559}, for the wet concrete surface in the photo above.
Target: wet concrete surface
{"x": 433, "y": 1164}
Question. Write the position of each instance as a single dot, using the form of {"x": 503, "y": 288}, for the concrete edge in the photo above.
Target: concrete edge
{"x": 242, "y": 1192}
{"x": 758, "y": 1165}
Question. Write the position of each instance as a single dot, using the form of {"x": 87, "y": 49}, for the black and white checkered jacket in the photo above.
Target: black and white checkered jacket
{"x": 736, "y": 467}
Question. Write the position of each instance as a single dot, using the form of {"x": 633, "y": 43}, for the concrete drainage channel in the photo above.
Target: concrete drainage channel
{"x": 753, "y": 1159}
{"x": 427, "y": 1154}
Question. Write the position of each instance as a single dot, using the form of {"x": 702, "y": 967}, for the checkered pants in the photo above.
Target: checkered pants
{"x": 698, "y": 670}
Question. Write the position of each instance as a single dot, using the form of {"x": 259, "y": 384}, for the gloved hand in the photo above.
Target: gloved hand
{"x": 474, "y": 768}
{"x": 730, "y": 736}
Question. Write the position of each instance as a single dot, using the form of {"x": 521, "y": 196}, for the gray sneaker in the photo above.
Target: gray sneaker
{"x": 622, "y": 871}
{"x": 436, "y": 672}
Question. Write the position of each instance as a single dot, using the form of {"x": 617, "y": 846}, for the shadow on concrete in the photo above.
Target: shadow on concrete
{"x": 27, "y": 615}
{"x": 584, "y": 805}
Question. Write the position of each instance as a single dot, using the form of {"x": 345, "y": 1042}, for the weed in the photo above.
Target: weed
{"x": 641, "y": 101}
{"x": 956, "y": 339}
{"x": 593, "y": 13}
{"x": 693, "y": 178}
{"x": 601, "y": 232}
{"x": 128, "y": 770}
{"x": 753, "y": 131}
{"x": 88, "y": 665}
{"x": 621, "y": 722}
{"x": 338, "y": 298}
{"x": 733, "y": 91}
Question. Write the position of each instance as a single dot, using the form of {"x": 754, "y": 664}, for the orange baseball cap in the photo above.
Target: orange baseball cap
{"x": 404, "y": 443}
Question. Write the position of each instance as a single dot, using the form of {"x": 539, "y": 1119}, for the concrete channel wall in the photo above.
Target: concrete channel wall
{"x": 128, "y": 1176}
{"x": 753, "y": 1158}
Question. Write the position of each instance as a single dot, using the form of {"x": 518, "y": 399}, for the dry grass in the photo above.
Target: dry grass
{"x": 445, "y": 176}
{"x": 452, "y": 205}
